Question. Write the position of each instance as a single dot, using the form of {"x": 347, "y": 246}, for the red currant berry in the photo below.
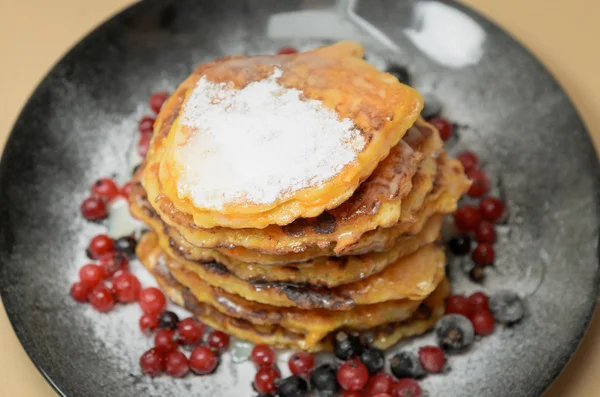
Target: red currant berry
{"x": 148, "y": 323}
{"x": 165, "y": 341}
{"x": 93, "y": 209}
{"x": 265, "y": 379}
{"x": 480, "y": 183}
{"x": 113, "y": 262}
{"x": 432, "y": 358}
{"x": 483, "y": 254}
{"x": 176, "y": 364}
{"x": 467, "y": 218}
{"x": 126, "y": 190}
{"x": 157, "y": 99}
{"x": 380, "y": 383}
{"x": 101, "y": 298}
{"x": 105, "y": 188}
{"x": 190, "y": 331}
{"x": 479, "y": 301}
{"x": 91, "y": 275}
{"x": 301, "y": 363}
{"x": 286, "y": 51}
{"x": 483, "y": 322}
{"x": 407, "y": 387}
{"x": 458, "y": 304}
{"x": 352, "y": 375}
{"x": 469, "y": 160}
{"x": 202, "y": 360}
{"x": 143, "y": 145}
{"x": 126, "y": 287}
{"x": 485, "y": 232}
{"x": 218, "y": 341}
{"x": 491, "y": 208}
{"x": 100, "y": 245}
{"x": 262, "y": 355}
{"x": 80, "y": 292}
{"x": 146, "y": 125}
{"x": 383, "y": 395}
{"x": 443, "y": 126}
{"x": 152, "y": 300}
{"x": 152, "y": 362}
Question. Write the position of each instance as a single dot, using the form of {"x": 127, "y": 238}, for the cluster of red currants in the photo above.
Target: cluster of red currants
{"x": 103, "y": 191}
{"x": 478, "y": 221}
{"x": 108, "y": 281}
{"x": 475, "y": 308}
{"x": 170, "y": 333}
{"x": 146, "y": 124}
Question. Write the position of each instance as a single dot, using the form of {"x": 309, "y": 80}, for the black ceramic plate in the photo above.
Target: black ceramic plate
{"x": 81, "y": 120}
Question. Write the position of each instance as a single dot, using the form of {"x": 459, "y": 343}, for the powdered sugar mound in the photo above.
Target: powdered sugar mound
{"x": 259, "y": 143}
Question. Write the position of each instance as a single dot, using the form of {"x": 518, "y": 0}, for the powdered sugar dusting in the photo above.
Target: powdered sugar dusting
{"x": 259, "y": 143}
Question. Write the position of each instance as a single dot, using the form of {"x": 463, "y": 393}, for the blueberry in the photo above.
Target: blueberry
{"x": 294, "y": 386}
{"x": 168, "y": 320}
{"x": 454, "y": 332}
{"x": 406, "y": 365}
{"x": 126, "y": 245}
{"x": 373, "y": 359}
{"x": 507, "y": 307}
{"x": 400, "y": 72}
{"x": 432, "y": 107}
{"x": 323, "y": 379}
{"x": 460, "y": 245}
{"x": 346, "y": 346}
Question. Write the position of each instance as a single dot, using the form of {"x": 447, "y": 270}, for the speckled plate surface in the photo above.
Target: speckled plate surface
{"x": 82, "y": 118}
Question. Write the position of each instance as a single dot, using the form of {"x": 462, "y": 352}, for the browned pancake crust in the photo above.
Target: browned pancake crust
{"x": 271, "y": 333}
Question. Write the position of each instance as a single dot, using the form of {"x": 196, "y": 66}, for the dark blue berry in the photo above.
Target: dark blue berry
{"x": 507, "y": 307}
{"x": 126, "y": 245}
{"x": 294, "y": 386}
{"x": 460, "y": 245}
{"x": 406, "y": 365}
{"x": 168, "y": 320}
{"x": 400, "y": 72}
{"x": 454, "y": 332}
{"x": 432, "y": 107}
{"x": 323, "y": 379}
{"x": 346, "y": 346}
{"x": 373, "y": 359}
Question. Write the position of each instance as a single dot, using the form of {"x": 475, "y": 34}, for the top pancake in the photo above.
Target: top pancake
{"x": 335, "y": 79}
{"x": 391, "y": 194}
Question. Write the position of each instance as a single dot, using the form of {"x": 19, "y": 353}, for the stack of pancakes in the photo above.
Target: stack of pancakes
{"x": 358, "y": 252}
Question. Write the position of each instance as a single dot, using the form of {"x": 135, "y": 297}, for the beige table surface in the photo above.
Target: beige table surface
{"x": 562, "y": 33}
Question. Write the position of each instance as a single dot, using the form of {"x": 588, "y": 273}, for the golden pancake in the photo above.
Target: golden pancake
{"x": 411, "y": 277}
{"x": 382, "y": 337}
{"x": 378, "y": 202}
{"x": 381, "y": 108}
{"x": 304, "y": 241}
{"x": 314, "y": 324}
{"x": 449, "y": 186}
{"x": 321, "y": 271}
